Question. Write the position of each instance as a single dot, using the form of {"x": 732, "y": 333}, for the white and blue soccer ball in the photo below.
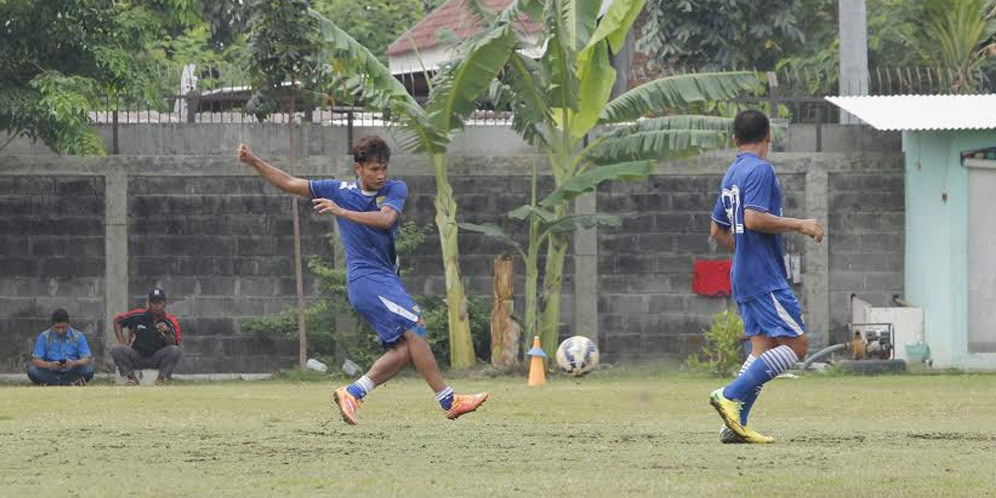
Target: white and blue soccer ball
{"x": 577, "y": 355}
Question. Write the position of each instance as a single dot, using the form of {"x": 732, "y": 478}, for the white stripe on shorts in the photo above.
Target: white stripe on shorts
{"x": 784, "y": 316}
{"x": 397, "y": 309}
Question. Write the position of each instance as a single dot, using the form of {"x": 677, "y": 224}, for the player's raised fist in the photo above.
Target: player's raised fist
{"x": 244, "y": 153}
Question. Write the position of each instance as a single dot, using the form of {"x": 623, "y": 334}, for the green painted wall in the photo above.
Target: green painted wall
{"x": 937, "y": 238}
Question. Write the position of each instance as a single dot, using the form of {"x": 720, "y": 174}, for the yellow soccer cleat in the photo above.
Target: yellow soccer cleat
{"x": 465, "y": 403}
{"x": 347, "y": 403}
{"x": 729, "y": 411}
{"x": 753, "y": 437}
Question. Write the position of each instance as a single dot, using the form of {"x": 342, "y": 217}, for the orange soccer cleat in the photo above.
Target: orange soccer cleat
{"x": 347, "y": 403}
{"x": 465, "y": 403}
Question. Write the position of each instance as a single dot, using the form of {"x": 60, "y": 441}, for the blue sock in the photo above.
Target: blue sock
{"x": 361, "y": 387}
{"x": 445, "y": 398}
{"x": 749, "y": 402}
{"x": 773, "y": 362}
{"x": 746, "y": 405}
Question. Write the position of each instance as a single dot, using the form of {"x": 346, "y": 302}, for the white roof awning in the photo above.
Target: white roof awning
{"x": 922, "y": 112}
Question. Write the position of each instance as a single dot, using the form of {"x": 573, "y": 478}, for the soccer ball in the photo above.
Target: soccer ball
{"x": 577, "y": 355}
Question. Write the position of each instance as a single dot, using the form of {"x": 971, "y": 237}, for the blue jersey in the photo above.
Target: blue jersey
{"x": 369, "y": 250}
{"x": 758, "y": 261}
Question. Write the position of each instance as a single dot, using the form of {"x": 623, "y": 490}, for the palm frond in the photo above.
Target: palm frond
{"x": 457, "y": 86}
{"x": 670, "y": 92}
{"x": 531, "y": 115}
{"x": 590, "y": 180}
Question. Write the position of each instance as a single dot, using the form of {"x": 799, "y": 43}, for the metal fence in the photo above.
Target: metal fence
{"x": 221, "y": 97}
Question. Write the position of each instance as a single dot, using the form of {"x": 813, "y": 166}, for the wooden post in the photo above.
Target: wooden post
{"x": 505, "y": 331}
{"x": 302, "y": 330}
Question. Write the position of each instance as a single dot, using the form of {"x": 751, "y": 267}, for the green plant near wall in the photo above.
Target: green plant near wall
{"x": 722, "y": 352}
{"x": 562, "y": 104}
{"x": 332, "y": 337}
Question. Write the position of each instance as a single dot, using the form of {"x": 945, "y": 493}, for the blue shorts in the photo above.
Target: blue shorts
{"x": 385, "y": 305}
{"x": 775, "y": 314}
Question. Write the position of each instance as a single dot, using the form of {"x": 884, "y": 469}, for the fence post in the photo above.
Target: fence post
{"x": 193, "y": 102}
{"x": 349, "y": 131}
{"x": 773, "y": 93}
{"x": 114, "y": 133}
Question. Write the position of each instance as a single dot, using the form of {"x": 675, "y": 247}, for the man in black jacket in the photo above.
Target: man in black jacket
{"x": 154, "y": 340}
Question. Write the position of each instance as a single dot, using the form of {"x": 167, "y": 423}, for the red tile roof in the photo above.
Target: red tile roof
{"x": 455, "y": 16}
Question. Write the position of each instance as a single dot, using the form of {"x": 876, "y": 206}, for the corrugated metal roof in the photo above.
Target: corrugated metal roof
{"x": 922, "y": 112}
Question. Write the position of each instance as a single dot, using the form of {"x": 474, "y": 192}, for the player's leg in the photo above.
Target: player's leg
{"x": 425, "y": 362}
{"x": 779, "y": 316}
{"x": 384, "y": 369}
{"x": 389, "y": 364}
{"x": 758, "y": 345}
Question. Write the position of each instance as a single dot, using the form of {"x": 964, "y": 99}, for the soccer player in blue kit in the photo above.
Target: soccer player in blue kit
{"x": 367, "y": 209}
{"x": 748, "y": 219}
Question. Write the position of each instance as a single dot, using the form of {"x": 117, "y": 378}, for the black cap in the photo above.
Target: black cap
{"x": 156, "y": 294}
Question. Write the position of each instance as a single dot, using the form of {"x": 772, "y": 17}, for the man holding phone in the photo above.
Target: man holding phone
{"x": 61, "y": 356}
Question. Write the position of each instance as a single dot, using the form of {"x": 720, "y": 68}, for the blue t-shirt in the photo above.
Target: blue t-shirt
{"x": 50, "y": 346}
{"x": 758, "y": 261}
{"x": 368, "y": 249}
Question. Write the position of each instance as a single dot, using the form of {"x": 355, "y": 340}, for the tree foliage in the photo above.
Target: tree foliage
{"x": 374, "y": 24}
{"x": 285, "y": 54}
{"x": 722, "y": 33}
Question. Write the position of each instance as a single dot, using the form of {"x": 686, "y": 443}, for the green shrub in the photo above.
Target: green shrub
{"x": 721, "y": 354}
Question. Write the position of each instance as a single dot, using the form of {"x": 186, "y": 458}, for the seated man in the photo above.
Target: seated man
{"x": 61, "y": 356}
{"x": 154, "y": 343}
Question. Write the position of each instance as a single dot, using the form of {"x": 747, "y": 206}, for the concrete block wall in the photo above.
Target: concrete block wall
{"x": 867, "y": 227}
{"x": 51, "y": 256}
{"x": 218, "y": 239}
{"x": 222, "y": 248}
{"x": 646, "y": 306}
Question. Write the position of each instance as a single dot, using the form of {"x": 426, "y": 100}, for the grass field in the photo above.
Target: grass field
{"x": 620, "y": 433}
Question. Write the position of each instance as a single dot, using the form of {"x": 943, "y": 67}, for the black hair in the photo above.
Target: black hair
{"x": 371, "y": 148}
{"x": 60, "y": 316}
{"x": 750, "y": 127}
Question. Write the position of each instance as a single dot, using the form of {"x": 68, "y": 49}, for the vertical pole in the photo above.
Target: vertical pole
{"x": 853, "y": 26}
{"x": 773, "y": 93}
{"x": 298, "y": 272}
{"x": 115, "y": 252}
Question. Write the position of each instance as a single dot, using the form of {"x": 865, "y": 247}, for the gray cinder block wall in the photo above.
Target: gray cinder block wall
{"x": 177, "y": 210}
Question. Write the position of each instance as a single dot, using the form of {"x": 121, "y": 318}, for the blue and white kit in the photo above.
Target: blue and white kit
{"x": 375, "y": 290}
{"x": 760, "y": 285}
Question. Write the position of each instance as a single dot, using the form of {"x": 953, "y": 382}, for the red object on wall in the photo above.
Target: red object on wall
{"x": 711, "y": 277}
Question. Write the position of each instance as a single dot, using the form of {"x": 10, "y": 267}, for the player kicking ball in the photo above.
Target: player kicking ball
{"x": 367, "y": 210}
{"x": 748, "y": 220}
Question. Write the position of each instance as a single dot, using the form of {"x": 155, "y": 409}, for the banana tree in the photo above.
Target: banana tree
{"x": 562, "y": 99}
{"x": 355, "y": 72}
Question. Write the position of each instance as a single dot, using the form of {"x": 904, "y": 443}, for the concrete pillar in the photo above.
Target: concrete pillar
{"x": 853, "y": 26}
{"x": 586, "y": 271}
{"x": 816, "y": 274}
{"x": 115, "y": 251}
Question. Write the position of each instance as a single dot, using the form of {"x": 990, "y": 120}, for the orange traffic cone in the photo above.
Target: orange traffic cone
{"x": 537, "y": 374}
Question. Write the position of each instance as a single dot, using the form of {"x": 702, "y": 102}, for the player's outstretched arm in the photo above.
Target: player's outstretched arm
{"x": 382, "y": 219}
{"x": 721, "y": 235}
{"x": 276, "y": 176}
{"x": 763, "y": 222}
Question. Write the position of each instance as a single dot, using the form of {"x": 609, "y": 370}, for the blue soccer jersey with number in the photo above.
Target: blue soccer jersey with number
{"x": 758, "y": 261}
